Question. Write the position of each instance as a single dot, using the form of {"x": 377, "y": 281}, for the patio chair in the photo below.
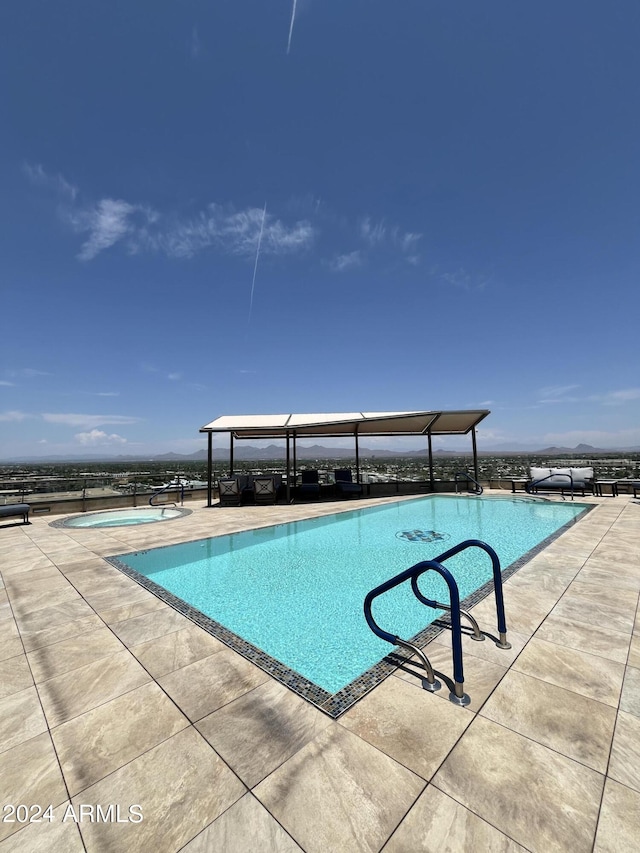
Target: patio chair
{"x": 264, "y": 490}
{"x": 345, "y": 487}
{"x": 309, "y": 487}
{"x": 229, "y": 491}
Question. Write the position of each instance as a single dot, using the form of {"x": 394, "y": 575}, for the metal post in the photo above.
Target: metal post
{"x": 295, "y": 460}
{"x": 288, "y": 470}
{"x": 231, "y": 454}
{"x": 475, "y": 453}
{"x": 357, "y": 456}
{"x": 209, "y": 469}
{"x": 431, "y": 480}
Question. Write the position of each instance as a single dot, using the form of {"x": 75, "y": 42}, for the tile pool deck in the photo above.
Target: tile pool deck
{"x": 109, "y": 697}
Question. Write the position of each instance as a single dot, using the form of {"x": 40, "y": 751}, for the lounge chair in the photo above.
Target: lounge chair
{"x": 309, "y": 487}
{"x": 264, "y": 490}
{"x": 229, "y": 491}
{"x": 345, "y": 487}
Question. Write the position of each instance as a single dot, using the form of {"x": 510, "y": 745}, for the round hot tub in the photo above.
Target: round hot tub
{"x": 122, "y": 517}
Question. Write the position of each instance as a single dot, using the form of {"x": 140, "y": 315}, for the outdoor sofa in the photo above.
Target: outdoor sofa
{"x": 560, "y": 479}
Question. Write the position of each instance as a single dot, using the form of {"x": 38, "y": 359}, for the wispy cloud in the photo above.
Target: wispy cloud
{"x": 345, "y": 262}
{"x": 557, "y": 390}
{"x": 559, "y": 394}
{"x": 87, "y": 421}
{"x": 37, "y": 176}
{"x": 8, "y": 384}
{"x": 372, "y": 234}
{"x": 97, "y": 437}
{"x": 13, "y": 416}
{"x": 461, "y": 279}
{"x": 174, "y": 377}
{"x": 194, "y": 46}
{"x": 25, "y": 373}
{"x": 107, "y": 223}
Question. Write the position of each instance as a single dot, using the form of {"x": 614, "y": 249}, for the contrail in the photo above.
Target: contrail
{"x": 293, "y": 17}
{"x": 255, "y": 266}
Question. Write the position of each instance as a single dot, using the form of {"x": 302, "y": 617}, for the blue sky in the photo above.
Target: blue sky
{"x": 410, "y": 205}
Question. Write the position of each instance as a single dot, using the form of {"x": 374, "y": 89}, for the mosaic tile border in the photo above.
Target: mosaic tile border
{"x": 332, "y": 704}
{"x": 63, "y": 522}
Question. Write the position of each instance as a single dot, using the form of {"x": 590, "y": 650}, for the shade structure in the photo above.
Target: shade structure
{"x": 333, "y": 425}
{"x": 349, "y": 423}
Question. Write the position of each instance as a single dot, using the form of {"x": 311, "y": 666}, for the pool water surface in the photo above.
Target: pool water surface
{"x": 294, "y": 592}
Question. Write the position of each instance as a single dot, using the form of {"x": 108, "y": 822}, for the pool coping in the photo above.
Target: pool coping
{"x": 332, "y": 704}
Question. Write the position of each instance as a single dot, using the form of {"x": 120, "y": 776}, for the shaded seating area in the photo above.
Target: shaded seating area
{"x": 345, "y": 487}
{"x": 264, "y": 490}
{"x": 241, "y": 489}
{"x": 292, "y": 427}
{"x": 309, "y": 488}
{"x": 229, "y": 491}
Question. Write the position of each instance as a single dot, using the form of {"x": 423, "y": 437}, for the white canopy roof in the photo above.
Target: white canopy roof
{"x": 349, "y": 423}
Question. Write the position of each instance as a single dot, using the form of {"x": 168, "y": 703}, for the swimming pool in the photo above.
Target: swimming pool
{"x": 290, "y": 597}
{"x": 122, "y": 517}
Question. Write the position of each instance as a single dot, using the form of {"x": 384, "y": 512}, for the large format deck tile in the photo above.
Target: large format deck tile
{"x": 630, "y": 698}
{"x": 619, "y": 824}
{"x": 95, "y": 744}
{"x": 68, "y": 695}
{"x": 208, "y": 684}
{"x": 400, "y": 719}
{"x": 544, "y": 801}
{"x": 437, "y": 824}
{"x": 605, "y": 608}
{"x": 50, "y": 836}
{"x": 46, "y": 621}
{"x": 181, "y": 786}
{"x": 261, "y": 730}
{"x": 30, "y": 774}
{"x": 480, "y": 676}
{"x": 72, "y": 653}
{"x": 21, "y": 718}
{"x": 339, "y": 793}
{"x": 593, "y": 639}
{"x": 176, "y": 650}
{"x": 625, "y": 753}
{"x": 15, "y": 675}
{"x": 591, "y": 676}
{"x": 578, "y": 727}
{"x": 139, "y": 629}
{"x": 246, "y": 826}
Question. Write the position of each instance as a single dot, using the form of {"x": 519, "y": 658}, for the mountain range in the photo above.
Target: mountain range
{"x": 247, "y": 453}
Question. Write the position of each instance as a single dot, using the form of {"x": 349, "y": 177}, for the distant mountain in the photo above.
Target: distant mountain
{"x": 249, "y": 453}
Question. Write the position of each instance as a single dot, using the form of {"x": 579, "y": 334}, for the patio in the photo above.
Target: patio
{"x": 109, "y": 697}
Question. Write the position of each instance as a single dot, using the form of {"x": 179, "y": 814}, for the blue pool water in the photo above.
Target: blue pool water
{"x": 296, "y": 590}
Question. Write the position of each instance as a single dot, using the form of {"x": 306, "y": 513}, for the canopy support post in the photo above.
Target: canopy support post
{"x": 475, "y": 453}
{"x": 295, "y": 460}
{"x": 431, "y": 481}
{"x": 209, "y": 469}
{"x": 357, "y": 456}
{"x": 231, "y": 454}
{"x": 288, "y": 470}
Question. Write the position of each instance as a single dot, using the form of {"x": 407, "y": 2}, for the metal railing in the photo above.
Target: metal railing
{"x": 464, "y": 475}
{"x": 458, "y": 696}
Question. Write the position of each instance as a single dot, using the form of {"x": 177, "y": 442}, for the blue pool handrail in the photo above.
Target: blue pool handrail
{"x": 497, "y": 584}
{"x": 458, "y": 696}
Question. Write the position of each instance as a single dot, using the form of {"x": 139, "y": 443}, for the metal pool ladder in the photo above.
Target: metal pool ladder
{"x": 458, "y": 696}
